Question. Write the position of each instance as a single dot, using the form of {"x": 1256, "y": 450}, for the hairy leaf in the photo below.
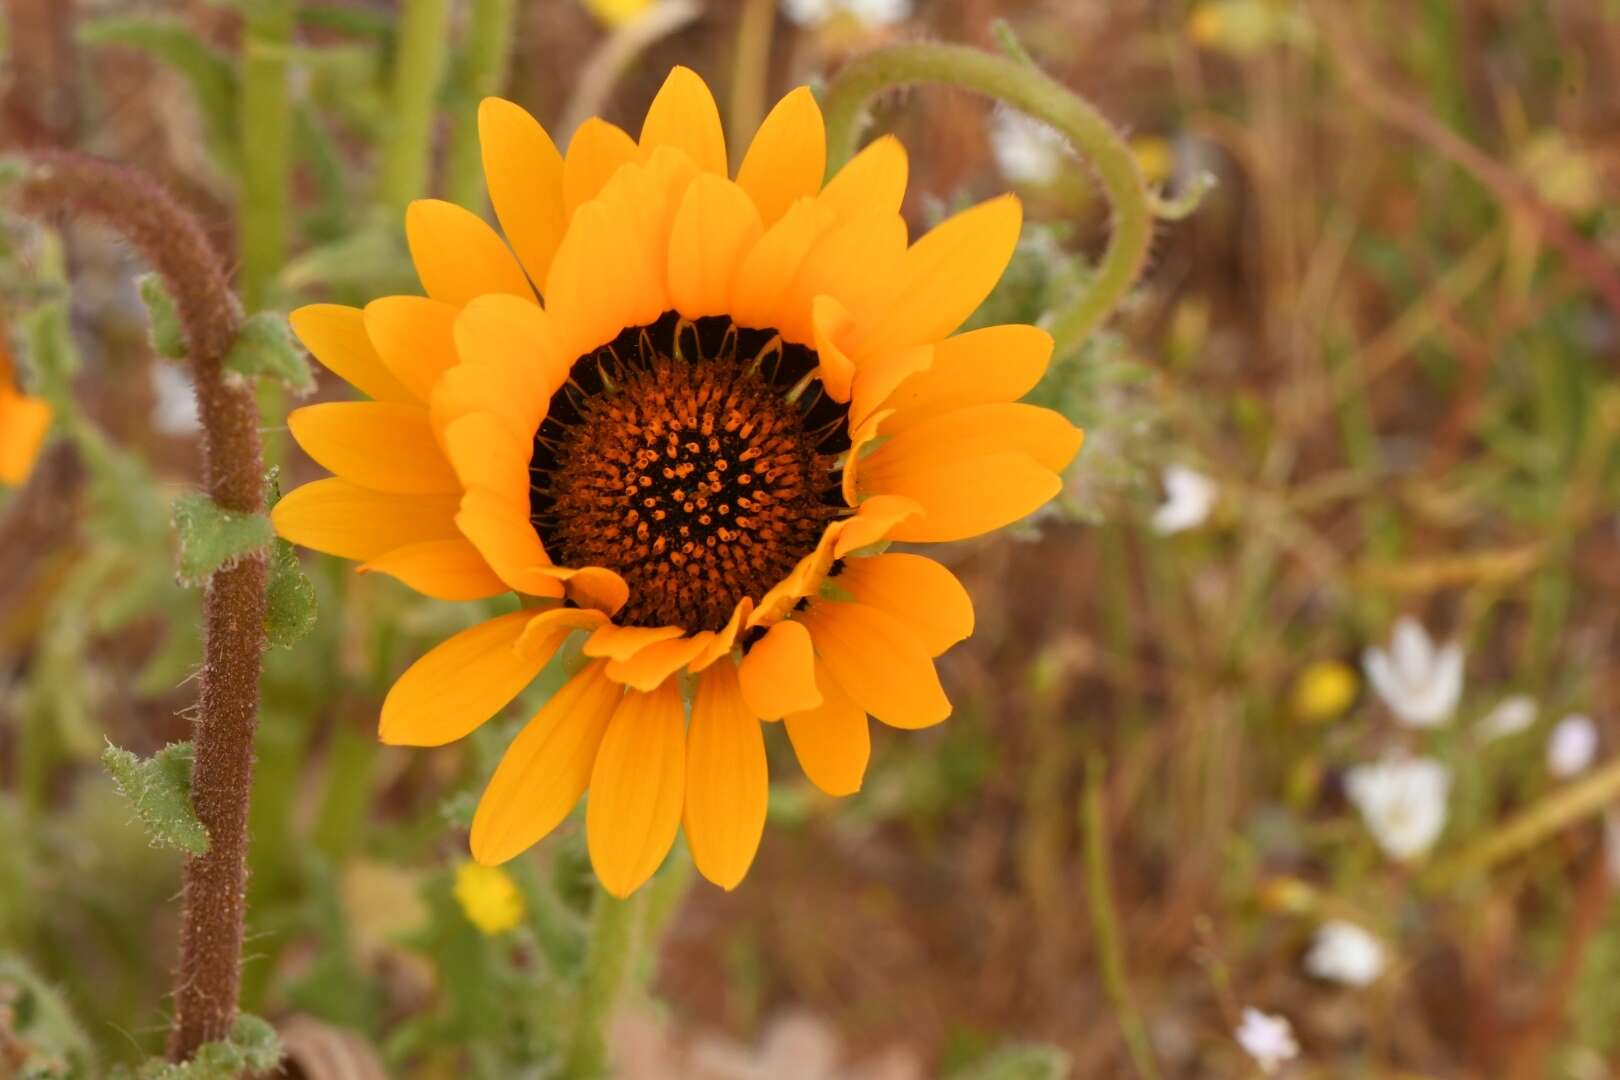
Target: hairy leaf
{"x": 159, "y": 787}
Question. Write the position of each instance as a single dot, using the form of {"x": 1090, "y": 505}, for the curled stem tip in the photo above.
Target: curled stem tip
{"x": 1020, "y": 84}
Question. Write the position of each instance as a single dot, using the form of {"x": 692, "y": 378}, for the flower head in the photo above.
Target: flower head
{"x": 1268, "y": 1039}
{"x": 1403, "y": 802}
{"x": 1189, "y": 496}
{"x": 1511, "y": 715}
{"x": 488, "y": 898}
{"x": 1324, "y": 690}
{"x": 1420, "y": 683}
{"x": 1343, "y": 952}
{"x": 1572, "y": 746}
{"x": 672, "y": 454}
{"x": 23, "y": 423}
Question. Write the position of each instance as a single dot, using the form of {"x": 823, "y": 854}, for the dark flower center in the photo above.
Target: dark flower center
{"x": 695, "y": 458}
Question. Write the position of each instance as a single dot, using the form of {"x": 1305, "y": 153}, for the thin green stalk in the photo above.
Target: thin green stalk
{"x": 483, "y": 71}
{"x": 750, "y": 70}
{"x": 608, "y": 960}
{"x": 1105, "y": 924}
{"x": 1029, "y": 90}
{"x": 418, "y": 69}
{"x": 265, "y": 122}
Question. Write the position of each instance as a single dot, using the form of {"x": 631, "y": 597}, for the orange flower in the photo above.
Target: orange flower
{"x": 675, "y": 455}
{"x": 23, "y": 423}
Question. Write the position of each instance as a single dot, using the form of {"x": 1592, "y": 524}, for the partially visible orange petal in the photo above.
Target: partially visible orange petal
{"x": 916, "y": 590}
{"x": 525, "y": 176}
{"x": 979, "y": 430}
{"x": 778, "y": 673}
{"x": 879, "y": 662}
{"x": 592, "y": 586}
{"x": 458, "y": 256}
{"x": 415, "y": 337}
{"x": 442, "y": 569}
{"x": 727, "y": 780}
{"x": 714, "y": 228}
{"x": 622, "y": 642}
{"x": 638, "y": 789}
{"x": 725, "y": 638}
{"x": 874, "y": 521}
{"x": 595, "y": 153}
{"x": 344, "y": 519}
{"x": 24, "y": 421}
{"x": 993, "y": 364}
{"x": 832, "y": 741}
{"x": 506, "y": 539}
{"x": 968, "y": 498}
{"x": 649, "y": 667}
{"x": 459, "y": 684}
{"x": 874, "y": 179}
{"x": 767, "y": 272}
{"x": 788, "y": 157}
{"x": 683, "y": 115}
{"x": 877, "y": 378}
{"x": 383, "y": 445}
{"x": 336, "y": 336}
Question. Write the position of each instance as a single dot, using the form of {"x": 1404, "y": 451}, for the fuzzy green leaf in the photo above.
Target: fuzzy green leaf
{"x": 290, "y": 604}
{"x": 212, "y": 537}
{"x": 253, "y": 1049}
{"x": 167, "y": 338}
{"x": 159, "y": 787}
{"x": 265, "y": 348}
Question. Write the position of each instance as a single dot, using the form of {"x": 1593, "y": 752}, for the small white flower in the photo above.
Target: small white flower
{"x": 174, "y": 400}
{"x": 1189, "y": 497}
{"x": 1345, "y": 953}
{"x": 1268, "y": 1039}
{"x": 1572, "y": 746}
{"x": 1420, "y": 683}
{"x": 866, "y": 12}
{"x": 1028, "y": 151}
{"x": 1402, "y": 801}
{"x": 1512, "y": 715}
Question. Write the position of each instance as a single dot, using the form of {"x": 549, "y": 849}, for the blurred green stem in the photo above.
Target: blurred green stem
{"x": 608, "y": 959}
{"x": 265, "y": 123}
{"x": 418, "y": 69}
{"x": 1029, "y": 90}
{"x": 483, "y": 70}
{"x": 749, "y": 73}
{"x": 1105, "y": 924}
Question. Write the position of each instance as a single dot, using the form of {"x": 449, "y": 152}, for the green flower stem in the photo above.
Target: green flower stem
{"x": 418, "y": 69}
{"x": 750, "y": 73}
{"x": 608, "y": 961}
{"x": 483, "y": 70}
{"x": 1029, "y": 90}
{"x": 265, "y": 122}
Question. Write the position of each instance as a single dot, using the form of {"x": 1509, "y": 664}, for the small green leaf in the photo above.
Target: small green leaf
{"x": 159, "y": 787}
{"x": 253, "y": 1049}
{"x": 167, "y": 338}
{"x": 265, "y": 348}
{"x": 290, "y": 603}
{"x": 1023, "y": 1061}
{"x": 212, "y": 537}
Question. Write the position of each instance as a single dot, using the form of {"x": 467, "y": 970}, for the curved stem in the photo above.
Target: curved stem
{"x": 607, "y": 965}
{"x": 1029, "y": 90}
{"x": 207, "y": 982}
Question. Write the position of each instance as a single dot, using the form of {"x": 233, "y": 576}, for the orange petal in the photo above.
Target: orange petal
{"x": 24, "y": 421}
{"x": 879, "y": 662}
{"x": 511, "y": 365}
{"x": 727, "y": 780}
{"x": 723, "y": 640}
{"x": 336, "y": 335}
{"x": 646, "y": 197}
{"x": 977, "y": 431}
{"x": 832, "y": 741}
{"x": 874, "y": 179}
{"x": 487, "y": 456}
{"x": 649, "y": 667}
{"x": 714, "y": 228}
{"x": 778, "y": 673}
{"x": 858, "y": 260}
{"x": 343, "y": 519}
{"x": 917, "y": 591}
{"x": 623, "y": 642}
{"x": 415, "y": 338}
{"x": 595, "y": 153}
{"x": 803, "y": 580}
{"x": 442, "y": 569}
{"x": 546, "y": 769}
{"x": 969, "y": 498}
{"x": 945, "y": 277}
{"x": 590, "y": 296}
{"x": 638, "y": 787}
{"x": 873, "y": 521}
{"x": 853, "y": 459}
{"x": 550, "y": 628}
{"x": 876, "y": 379}
{"x": 383, "y": 445}
{"x": 829, "y": 319}
{"x": 768, "y": 270}
{"x": 458, "y": 256}
{"x": 995, "y": 364}
{"x": 525, "y": 176}
{"x": 788, "y": 157}
{"x": 459, "y": 684}
{"x": 683, "y": 115}
{"x": 506, "y": 539}
{"x": 592, "y": 586}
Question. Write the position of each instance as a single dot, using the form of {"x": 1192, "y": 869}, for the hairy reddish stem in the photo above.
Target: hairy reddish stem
{"x": 81, "y": 186}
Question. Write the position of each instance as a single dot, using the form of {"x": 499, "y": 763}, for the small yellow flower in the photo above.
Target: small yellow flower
{"x": 1153, "y": 157}
{"x": 23, "y": 423}
{"x": 1324, "y": 690}
{"x": 488, "y": 898}
{"x": 616, "y": 13}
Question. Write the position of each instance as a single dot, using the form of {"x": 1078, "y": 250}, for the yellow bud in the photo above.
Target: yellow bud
{"x": 488, "y": 897}
{"x": 617, "y": 13}
{"x": 1153, "y": 157}
{"x": 1323, "y": 691}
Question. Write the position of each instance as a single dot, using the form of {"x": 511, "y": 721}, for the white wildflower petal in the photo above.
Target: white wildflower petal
{"x": 1572, "y": 746}
{"x": 1343, "y": 952}
{"x": 1189, "y": 497}
{"x": 1268, "y": 1039}
{"x": 1403, "y": 803}
{"x": 1512, "y": 714}
{"x": 1420, "y": 684}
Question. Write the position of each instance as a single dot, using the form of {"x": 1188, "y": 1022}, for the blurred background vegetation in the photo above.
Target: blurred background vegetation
{"x": 1372, "y": 375}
